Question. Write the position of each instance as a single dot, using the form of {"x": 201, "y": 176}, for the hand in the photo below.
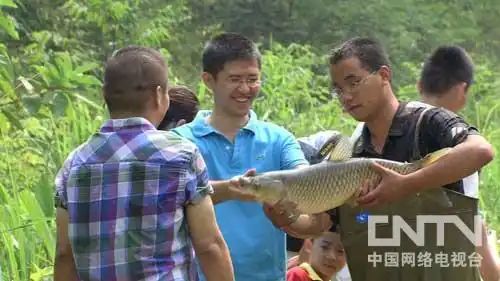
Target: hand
{"x": 285, "y": 216}
{"x": 235, "y": 190}
{"x": 282, "y": 213}
{"x": 390, "y": 188}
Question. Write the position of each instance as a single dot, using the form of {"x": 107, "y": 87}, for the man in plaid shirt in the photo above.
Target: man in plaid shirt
{"x": 132, "y": 201}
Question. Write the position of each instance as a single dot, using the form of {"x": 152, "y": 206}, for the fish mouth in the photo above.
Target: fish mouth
{"x": 244, "y": 181}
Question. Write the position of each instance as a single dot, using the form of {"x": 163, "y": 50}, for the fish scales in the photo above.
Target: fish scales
{"x": 328, "y": 184}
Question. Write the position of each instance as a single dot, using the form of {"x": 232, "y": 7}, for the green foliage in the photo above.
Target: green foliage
{"x": 51, "y": 59}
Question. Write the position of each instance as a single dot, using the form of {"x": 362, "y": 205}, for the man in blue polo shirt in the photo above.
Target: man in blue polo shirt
{"x": 234, "y": 142}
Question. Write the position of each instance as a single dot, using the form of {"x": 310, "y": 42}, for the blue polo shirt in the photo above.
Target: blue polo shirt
{"x": 258, "y": 249}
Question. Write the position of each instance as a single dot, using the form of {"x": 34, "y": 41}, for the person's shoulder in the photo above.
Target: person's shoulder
{"x": 183, "y": 139}
{"x": 297, "y": 273}
{"x": 76, "y": 155}
{"x": 440, "y": 116}
{"x": 418, "y": 107}
{"x": 169, "y": 145}
{"x": 185, "y": 130}
{"x": 273, "y": 133}
{"x": 270, "y": 126}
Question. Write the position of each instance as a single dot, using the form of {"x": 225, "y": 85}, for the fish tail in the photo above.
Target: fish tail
{"x": 434, "y": 156}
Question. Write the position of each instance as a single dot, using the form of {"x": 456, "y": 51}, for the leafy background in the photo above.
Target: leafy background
{"x": 52, "y": 53}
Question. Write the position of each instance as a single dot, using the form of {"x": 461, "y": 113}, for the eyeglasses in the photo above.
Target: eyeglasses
{"x": 235, "y": 83}
{"x": 353, "y": 87}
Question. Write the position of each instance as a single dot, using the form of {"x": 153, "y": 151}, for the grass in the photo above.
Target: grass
{"x": 27, "y": 231}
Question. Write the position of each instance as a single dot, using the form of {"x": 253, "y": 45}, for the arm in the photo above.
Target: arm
{"x": 209, "y": 245}
{"x": 64, "y": 265}
{"x": 490, "y": 264}
{"x": 228, "y": 190}
{"x": 469, "y": 154}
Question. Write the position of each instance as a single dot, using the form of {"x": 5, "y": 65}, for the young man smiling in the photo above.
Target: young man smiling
{"x": 234, "y": 142}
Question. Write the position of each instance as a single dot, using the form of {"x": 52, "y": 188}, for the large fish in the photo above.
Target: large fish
{"x": 330, "y": 183}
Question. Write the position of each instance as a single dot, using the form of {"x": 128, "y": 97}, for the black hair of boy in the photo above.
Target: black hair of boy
{"x": 446, "y": 67}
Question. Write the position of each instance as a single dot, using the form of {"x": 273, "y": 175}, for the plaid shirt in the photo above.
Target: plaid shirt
{"x": 125, "y": 190}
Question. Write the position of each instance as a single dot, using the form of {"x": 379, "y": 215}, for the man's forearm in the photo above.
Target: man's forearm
{"x": 221, "y": 191}
{"x": 64, "y": 268}
{"x": 215, "y": 262}
{"x": 463, "y": 160}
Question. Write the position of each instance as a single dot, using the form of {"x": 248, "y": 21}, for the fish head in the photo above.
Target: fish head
{"x": 264, "y": 187}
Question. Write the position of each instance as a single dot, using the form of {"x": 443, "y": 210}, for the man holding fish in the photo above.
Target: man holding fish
{"x": 233, "y": 141}
{"x": 442, "y": 147}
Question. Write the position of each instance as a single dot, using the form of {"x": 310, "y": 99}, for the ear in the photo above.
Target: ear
{"x": 462, "y": 88}
{"x": 208, "y": 80}
{"x": 161, "y": 98}
{"x": 419, "y": 86}
{"x": 385, "y": 73}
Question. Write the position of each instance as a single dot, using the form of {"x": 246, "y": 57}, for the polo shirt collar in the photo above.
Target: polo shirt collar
{"x": 127, "y": 124}
{"x": 310, "y": 271}
{"x": 201, "y": 128}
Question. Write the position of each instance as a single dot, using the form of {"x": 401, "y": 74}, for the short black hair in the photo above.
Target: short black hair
{"x": 130, "y": 74}
{"x": 183, "y": 105}
{"x": 137, "y": 48}
{"x": 227, "y": 47}
{"x": 447, "y": 66}
{"x": 368, "y": 51}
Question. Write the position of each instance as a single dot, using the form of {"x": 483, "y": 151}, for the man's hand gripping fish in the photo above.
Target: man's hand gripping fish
{"x": 328, "y": 184}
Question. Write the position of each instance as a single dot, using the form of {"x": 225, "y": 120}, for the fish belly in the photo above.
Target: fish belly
{"x": 327, "y": 186}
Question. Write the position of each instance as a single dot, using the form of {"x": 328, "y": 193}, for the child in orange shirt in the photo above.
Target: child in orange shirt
{"x": 326, "y": 260}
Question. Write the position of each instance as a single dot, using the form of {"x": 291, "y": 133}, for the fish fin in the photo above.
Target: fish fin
{"x": 341, "y": 148}
{"x": 351, "y": 201}
{"x": 278, "y": 185}
{"x": 434, "y": 156}
{"x": 437, "y": 196}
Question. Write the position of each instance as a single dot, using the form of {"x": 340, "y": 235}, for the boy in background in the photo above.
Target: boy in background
{"x": 326, "y": 260}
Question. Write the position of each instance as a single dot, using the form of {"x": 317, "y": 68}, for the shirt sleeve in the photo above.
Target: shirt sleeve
{"x": 61, "y": 195}
{"x": 291, "y": 153}
{"x": 198, "y": 185}
{"x": 446, "y": 128}
{"x": 297, "y": 274}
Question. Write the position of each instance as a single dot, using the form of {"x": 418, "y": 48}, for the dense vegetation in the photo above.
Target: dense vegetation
{"x": 52, "y": 52}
